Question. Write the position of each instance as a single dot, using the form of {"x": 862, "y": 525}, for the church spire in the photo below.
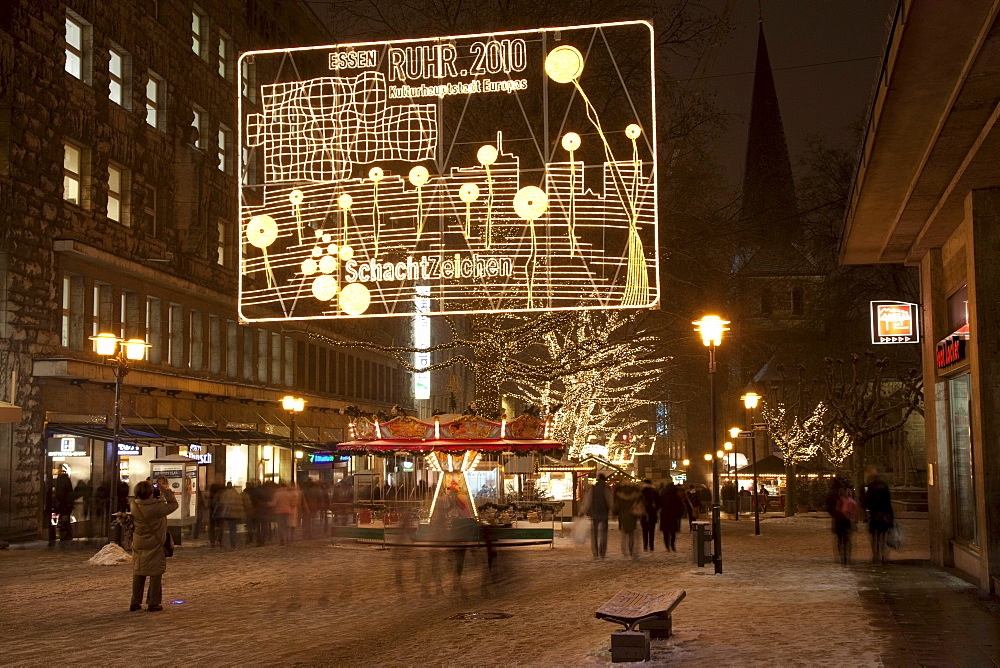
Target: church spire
{"x": 768, "y": 210}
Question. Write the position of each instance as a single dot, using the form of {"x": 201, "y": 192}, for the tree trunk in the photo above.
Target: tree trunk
{"x": 488, "y": 397}
{"x": 789, "y": 490}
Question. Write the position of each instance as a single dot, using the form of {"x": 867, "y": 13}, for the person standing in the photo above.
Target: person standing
{"x": 212, "y": 500}
{"x": 149, "y": 515}
{"x": 878, "y": 502}
{"x": 704, "y": 498}
{"x": 630, "y": 508}
{"x": 843, "y": 510}
{"x": 286, "y": 506}
{"x": 672, "y": 503}
{"x": 694, "y": 506}
{"x": 597, "y": 504}
{"x": 229, "y": 511}
{"x": 651, "y": 503}
{"x": 62, "y": 502}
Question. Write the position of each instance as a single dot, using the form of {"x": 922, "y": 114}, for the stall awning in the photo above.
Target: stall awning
{"x": 772, "y": 465}
{"x": 149, "y": 436}
{"x": 421, "y": 446}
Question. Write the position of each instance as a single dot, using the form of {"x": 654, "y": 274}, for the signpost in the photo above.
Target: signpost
{"x": 459, "y": 174}
{"x": 894, "y": 322}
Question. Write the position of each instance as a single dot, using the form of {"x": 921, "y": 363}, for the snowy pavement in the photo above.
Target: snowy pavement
{"x": 782, "y": 600}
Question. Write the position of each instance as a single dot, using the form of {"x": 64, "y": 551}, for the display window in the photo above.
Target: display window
{"x": 961, "y": 458}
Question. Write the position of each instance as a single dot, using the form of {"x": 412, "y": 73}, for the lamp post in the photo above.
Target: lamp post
{"x": 728, "y": 447}
{"x": 750, "y": 400}
{"x": 293, "y": 405}
{"x": 119, "y": 354}
{"x": 711, "y": 328}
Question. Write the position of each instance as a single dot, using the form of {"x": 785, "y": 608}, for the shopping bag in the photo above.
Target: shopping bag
{"x": 894, "y": 537}
{"x": 581, "y": 530}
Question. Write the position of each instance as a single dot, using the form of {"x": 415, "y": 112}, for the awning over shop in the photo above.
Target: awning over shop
{"x": 9, "y": 412}
{"x": 149, "y": 436}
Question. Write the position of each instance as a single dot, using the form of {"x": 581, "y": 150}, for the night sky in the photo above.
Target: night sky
{"x": 805, "y": 39}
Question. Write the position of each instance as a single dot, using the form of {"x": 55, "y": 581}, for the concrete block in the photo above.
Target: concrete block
{"x": 658, "y": 628}
{"x": 629, "y": 646}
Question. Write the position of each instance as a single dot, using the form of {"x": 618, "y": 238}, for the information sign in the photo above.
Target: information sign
{"x": 894, "y": 322}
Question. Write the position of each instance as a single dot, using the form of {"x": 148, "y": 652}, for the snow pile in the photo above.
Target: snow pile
{"x": 110, "y": 555}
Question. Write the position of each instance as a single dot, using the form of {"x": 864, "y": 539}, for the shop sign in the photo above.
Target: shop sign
{"x": 129, "y": 450}
{"x": 507, "y": 171}
{"x": 949, "y": 351}
{"x": 894, "y": 322}
{"x": 67, "y": 446}
{"x": 321, "y": 458}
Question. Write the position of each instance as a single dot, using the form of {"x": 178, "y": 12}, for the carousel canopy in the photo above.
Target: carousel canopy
{"x": 525, "y": 435}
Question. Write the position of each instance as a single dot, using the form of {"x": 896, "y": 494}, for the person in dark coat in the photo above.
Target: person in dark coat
{"x": 877, "y": 501}
{"x": 651, "y": 502}
{"x": 694, "y": 506}
{"x": 672, "y": 502}
{"x": 843, "y": 509}
{"x": 62, "y": 502}
{"x": 598, "y": 504}
{"x": 630, "y": 508}
{"x": 148, "y": 558}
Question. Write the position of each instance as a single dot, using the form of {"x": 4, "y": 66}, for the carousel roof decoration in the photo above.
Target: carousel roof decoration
{"x": 527, "y": 434}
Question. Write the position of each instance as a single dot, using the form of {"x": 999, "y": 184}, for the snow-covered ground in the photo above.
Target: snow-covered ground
{"x": 782, "y": 600}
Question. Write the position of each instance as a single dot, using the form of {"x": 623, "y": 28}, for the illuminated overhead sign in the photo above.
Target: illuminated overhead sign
{"x": 498, "y": 172}
{"x": 422, "y": 339}
{"x": 894, "y": 322}
{"x": 129, "y": 450}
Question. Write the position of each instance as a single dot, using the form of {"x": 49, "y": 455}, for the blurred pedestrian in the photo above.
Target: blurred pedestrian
{"x": 877, "y": 501}
{"x": 630, "y": 509}
{"x": 62, "y": 502}
{"x": 597, "y": 505}
{"x": 249, "y": 516}
{"x": 704, "y": 499}
{"x": 672, "y": 503}
{"x": 229, "y": 513}
{"x": 651, "y": 503}
{"x": 148, "y": 557}
{"x": 694, "y": 506}
{"x": 84, "y": 492}
{"x": 843, "y": 510}
{"x": 212, "y": 500}
{"x": 286, "y": 507}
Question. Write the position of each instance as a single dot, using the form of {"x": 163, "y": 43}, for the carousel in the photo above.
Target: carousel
{"x": 466, "y": 467}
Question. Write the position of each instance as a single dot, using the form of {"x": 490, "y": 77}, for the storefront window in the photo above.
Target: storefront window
{"x": 237, "y": 461}
{"x": 961, "y": 453}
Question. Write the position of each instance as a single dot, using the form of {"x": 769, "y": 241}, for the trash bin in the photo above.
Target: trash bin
{"x": 702, "y": 542}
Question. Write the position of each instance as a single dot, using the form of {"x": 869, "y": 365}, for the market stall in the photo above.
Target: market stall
{"x": 457, "y": 486}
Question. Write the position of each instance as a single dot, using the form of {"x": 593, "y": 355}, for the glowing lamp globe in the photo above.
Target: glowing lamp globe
{"x": 711, "y": 328}
{"x": 105, "y": 344}
{"x": 751, "y": 399}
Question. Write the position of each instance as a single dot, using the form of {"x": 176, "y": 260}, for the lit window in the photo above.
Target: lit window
{"x": 198, "y": 26}
{"x": 75, "y": 54}
{"x": 248, "y": 78}
{"x": 116, "y": 75}
{"x": 153, "y": 90}
{"x": 221, "y": 258}
{"x": 199, "y": 124}
{"x": 149, "y": 211}
{"x": 72, "y": 172}
{"x": 223, "y": 54}
{"x": 66, "y": 292}
{"x": 116, "y": 194}
{"x": 223, "y": 148}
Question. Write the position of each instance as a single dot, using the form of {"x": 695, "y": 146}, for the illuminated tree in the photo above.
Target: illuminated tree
{"x": 836, "y": 445}
{"x": 797, "y": 438}
{"x": 606, "y": 379}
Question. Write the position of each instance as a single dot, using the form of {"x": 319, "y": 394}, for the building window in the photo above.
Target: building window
{"x": 78, "y": 46}
{"x": 196, "y": 341}
{"x": 262, "y": 348}
{"x": 797, "y": 300}
{"x": 961, "y": 455}
{"x": 232, "y": 349}
{"x": 149, "y": 210}
{"x": 289, "y": 361}
{"x": 198, "y": 123}
{"x": 154, "y": 329}
{"x": 175, "y": 336}
{"x": 117, "y": 189}
{"x": 248, "y": 79}
{"x": 214, "y": 344}
{"x": 102, "y": 316}
{"x": 221, "y": 256}
{"x": 276, "y": 358}
{"x": 249, "y": 166}
{"x": 225, "y": 49}
{"x": 199, "y": 31}
{"x": 118, "y": 90}
{"x": 224, "y": 145}
{"x": 72, "y": 173}
{"x": 154, "y": 91}
{"x": 766, "y": 307}
{"x": 65, "y": 310}
{"x": 248, "y": 369}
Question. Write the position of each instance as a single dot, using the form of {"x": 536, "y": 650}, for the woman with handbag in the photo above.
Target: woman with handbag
{"x": 149, "y": 557}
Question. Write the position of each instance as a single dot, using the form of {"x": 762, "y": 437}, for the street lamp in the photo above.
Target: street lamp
{"x": 750, "y": 401}
{"x": 711, "y": 328}
{"x": 119, "y": 354}
{"x": 293, "y": 405}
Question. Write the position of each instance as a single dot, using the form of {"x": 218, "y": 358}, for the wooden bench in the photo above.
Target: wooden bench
{"x": 651, "y": 613}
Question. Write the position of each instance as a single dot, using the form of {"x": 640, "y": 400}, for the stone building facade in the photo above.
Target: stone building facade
{"x": 118, "y": 194}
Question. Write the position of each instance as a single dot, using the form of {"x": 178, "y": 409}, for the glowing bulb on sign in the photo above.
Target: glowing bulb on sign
{"x": 564, "y": 64}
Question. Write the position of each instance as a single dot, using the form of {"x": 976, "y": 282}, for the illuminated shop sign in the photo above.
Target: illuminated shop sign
{"x": 949, "y": 351}
{"x": 129, "y": 450}
{"x": 894, "y": 322}
{"x": 497, "y": 172}
{"x": 68, "y": 446}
